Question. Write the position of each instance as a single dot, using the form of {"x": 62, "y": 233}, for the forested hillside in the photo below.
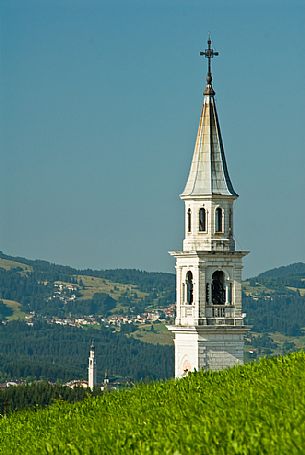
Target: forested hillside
{"x": 275, "y": 300}
{"x": 258, "y": 408}
{"x": 286, "y": 276}
{"x": 33, "y": 285}
{"x": 49, "y": 351}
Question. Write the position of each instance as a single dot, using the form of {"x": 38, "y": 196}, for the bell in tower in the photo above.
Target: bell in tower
{"x": 209, "y": 328}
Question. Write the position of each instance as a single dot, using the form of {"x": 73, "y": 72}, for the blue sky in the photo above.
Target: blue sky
{"x": 99, "y": 107}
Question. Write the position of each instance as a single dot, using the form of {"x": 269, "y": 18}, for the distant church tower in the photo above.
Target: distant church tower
{"x": 92, "y": 367}
{"x": 209, "y": 328}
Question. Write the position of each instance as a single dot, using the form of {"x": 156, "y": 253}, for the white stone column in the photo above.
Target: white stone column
{"x": 196, "y": 294}
{"x": 227, "y": 293}
{"x": 202, "y": 291}
{"x": 237, "y": 288}
{"x": 178, "y": 293}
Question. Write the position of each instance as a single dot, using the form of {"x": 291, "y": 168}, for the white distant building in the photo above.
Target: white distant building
{"x": 105, "y": 386}
{"x": 76, "y": 383}
{"x": 92, "y": 368}
{"x": 209, "y": 327}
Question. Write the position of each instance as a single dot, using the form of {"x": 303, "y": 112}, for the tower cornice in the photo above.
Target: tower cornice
{"x": 205, "y": 253}
{"x": 205, "y": 329}
{"x": 208, "y": 197}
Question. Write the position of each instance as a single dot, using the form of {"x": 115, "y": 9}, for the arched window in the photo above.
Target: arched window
{"x": 218, "y": 220}
{"x": 189, "y": 220}
{"x": 202, "y": 220}
{"x": 189, "y": 288}
{"x": 218, "y": 289}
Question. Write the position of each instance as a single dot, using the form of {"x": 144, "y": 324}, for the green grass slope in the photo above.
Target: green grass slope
{"x": 255, "y": 409}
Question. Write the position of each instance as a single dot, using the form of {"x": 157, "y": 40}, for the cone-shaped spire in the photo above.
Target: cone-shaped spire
{"x": 208, "y": 174}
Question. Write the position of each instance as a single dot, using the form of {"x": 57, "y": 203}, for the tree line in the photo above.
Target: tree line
{"x": 281, "y": 313}
{"x": 54, "y": 352}
{"x": 42, "y": 393}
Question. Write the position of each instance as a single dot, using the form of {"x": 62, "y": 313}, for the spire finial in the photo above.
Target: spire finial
{"x": 209, "y": 53}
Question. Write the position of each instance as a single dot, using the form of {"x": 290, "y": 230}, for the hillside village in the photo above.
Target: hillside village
{"x": 67, "y": 292}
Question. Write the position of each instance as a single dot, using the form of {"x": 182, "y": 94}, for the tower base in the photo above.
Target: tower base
{"x": 207, "y": 347}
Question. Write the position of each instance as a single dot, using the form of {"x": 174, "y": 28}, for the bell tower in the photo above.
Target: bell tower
{"x": 92, "y": 367}
{"x": 209, "y": 328}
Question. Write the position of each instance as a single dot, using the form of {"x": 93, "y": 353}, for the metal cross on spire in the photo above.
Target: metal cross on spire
{"x": 209, "y": 53}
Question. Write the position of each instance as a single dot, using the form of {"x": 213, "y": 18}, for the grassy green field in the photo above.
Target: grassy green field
{"x": 300, "y": 290}
{"x": 280, "y": 338}
{"x": 16, "y": 308}
{"x": 93, "y": 285}
{"x": 257, "y": 290}
{"x": 7, "y": 264}
{"x": 258, "y": 408}
{"x": 159, "y": 334}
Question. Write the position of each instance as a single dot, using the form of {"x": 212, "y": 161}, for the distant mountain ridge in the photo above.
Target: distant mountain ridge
{"x": 295, "y": 271}
{"x": 273, "y": 300}
{"x": 31, "y": 283}
{"x": 297, "y": 268}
